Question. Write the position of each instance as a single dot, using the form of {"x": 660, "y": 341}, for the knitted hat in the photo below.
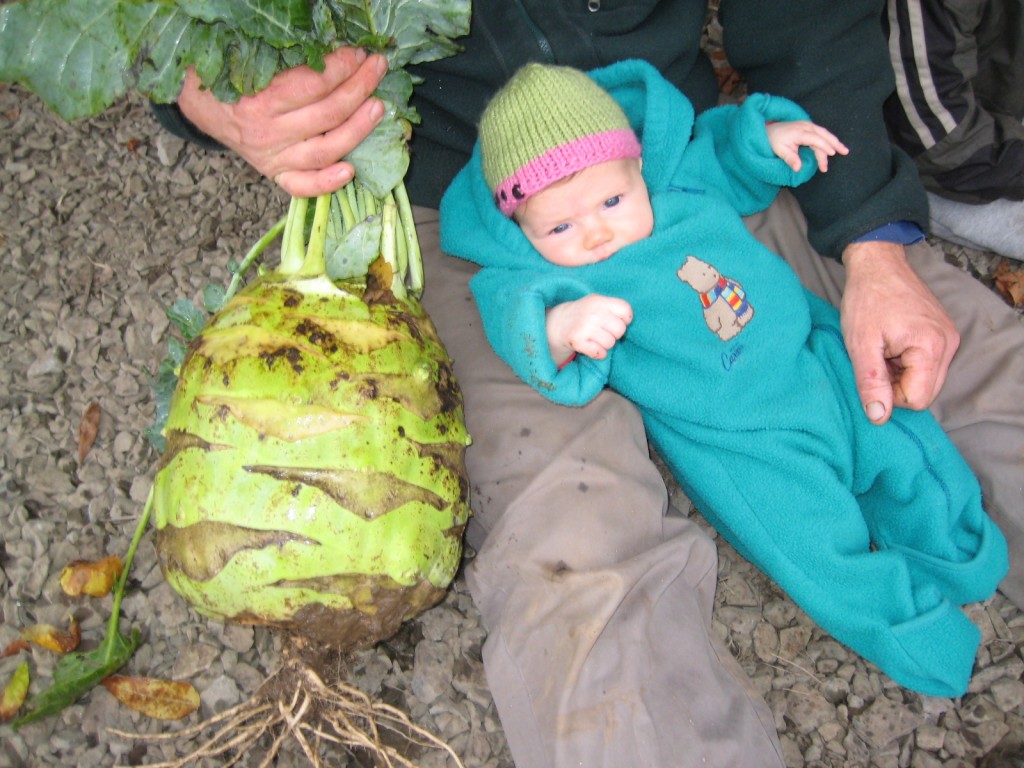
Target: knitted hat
{"x": 547, "y": 123}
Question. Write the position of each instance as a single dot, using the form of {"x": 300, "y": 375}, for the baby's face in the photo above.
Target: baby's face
{"x": 589, "y": 216}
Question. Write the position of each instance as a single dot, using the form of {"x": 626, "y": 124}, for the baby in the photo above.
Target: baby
{"x": 609, "y": 224}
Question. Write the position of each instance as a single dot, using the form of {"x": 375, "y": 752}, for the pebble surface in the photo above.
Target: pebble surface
{"x": 103, "y": 224}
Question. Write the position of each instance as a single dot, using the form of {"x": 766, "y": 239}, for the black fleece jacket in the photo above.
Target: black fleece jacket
{"x": 829, "y": 57}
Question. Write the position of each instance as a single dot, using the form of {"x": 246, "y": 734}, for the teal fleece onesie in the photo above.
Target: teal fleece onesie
{"x": 747, "y": 391}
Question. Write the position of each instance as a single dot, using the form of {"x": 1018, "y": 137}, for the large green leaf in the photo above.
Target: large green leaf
{"x": 279, "y": 22}
{"x": 72, "y": 54}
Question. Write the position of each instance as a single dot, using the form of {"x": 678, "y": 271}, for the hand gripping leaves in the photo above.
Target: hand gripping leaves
{"x": 313, "y": 476}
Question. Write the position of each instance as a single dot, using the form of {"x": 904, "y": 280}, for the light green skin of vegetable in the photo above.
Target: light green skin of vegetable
{"x": 286, "y": 552}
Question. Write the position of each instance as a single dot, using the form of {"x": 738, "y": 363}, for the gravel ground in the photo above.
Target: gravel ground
{"x": 103, "y": 224}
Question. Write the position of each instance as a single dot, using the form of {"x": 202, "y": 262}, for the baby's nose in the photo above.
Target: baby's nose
{"x": 597, "y": 235}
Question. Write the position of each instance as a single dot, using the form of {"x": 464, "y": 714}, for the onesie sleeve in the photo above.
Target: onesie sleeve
{"x": 513, "y": 305}
{"x": 731, "y": 146}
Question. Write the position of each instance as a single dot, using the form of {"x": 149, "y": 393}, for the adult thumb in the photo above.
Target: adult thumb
{"x": 874, "y": 386}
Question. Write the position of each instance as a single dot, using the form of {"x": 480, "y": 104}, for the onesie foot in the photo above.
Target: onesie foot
{"x": 965, "y": 582}
{"x": 933, "y": 653}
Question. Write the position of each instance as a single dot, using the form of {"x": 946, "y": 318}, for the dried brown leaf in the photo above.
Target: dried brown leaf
{"x": 161, "y": 699}
{"x": 48, "y": 636}
{"x": 15, "y": 692}
{"x": 17, "y": 646}
{"x": 88, "y": 429}
{"x": 94, "y": 578}
{"x": 1010, "y": 283}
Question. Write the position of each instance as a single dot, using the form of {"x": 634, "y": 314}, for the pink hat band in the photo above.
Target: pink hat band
{"x": 561, "y": 161}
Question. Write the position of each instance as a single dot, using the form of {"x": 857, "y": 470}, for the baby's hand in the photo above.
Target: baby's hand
{"x": 787, "y": 138}
{"x": 589, "y": 326}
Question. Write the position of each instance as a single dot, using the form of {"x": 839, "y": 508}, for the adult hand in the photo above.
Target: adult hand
{"x": 296, "y": 130}
{"x": 900, "y": 339}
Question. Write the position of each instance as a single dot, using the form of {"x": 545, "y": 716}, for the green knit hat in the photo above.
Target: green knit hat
{"x": 547, "y": 123}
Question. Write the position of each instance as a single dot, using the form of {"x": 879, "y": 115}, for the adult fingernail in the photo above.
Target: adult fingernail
{"x": 376, "y": 110}
{"x": 874, "y": 410}
{"x": 360, "y": 55}
{"x": 382, "y": 66}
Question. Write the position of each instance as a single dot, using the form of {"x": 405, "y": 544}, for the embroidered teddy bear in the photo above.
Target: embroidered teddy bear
{"x": 726, "y": 309}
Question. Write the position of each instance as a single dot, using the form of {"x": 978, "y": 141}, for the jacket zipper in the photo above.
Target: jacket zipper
{"x": 542, "y": 42}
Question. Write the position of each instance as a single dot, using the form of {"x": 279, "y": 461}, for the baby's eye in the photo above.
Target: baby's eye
{"x": 559, "y": 229}
{"x": 611, "y": 202}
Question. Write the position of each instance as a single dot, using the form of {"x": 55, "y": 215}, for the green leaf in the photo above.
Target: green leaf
{"x": 213, "y": 297}
{"x": 281, "y": 23}
{"x": 77, "y": 673}
{"x": 382, "y": 158}
{"x": 72, "y": 54}
{"x": 350, "y": 255}
{"x": 163, "y": 384}
{"x": 420, "y": 29}
{"x": 170, "y": 41}
{"x": 187, "y": 318}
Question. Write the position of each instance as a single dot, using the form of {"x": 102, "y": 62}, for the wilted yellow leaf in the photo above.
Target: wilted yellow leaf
{"x": 15, "y": 692}
{"x": 162, "y": 699}
{"x": 95, "y": 578}
{"x": 52, "y": 638}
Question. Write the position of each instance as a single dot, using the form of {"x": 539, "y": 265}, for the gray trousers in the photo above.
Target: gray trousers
{"x": 597, "y": 599}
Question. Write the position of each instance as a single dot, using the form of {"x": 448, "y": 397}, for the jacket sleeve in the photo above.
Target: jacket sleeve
{"x": 174, "y": 122}
{"x": 513, "y": 305}
{"x": 730, "y": 146}
{"x": 832, "y": 59}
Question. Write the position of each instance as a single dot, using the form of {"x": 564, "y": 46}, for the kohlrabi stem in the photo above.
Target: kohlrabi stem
{"x": 414, "y": 278}
{"x": 389, "y": 218}
{"x": 254, "y": 252}
{"x": 314, "y": 264}
{"x": 119, "y": 587}
{"x": 293, "y": 244}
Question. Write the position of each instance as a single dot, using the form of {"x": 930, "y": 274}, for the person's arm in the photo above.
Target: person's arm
{"x": 296, "y": 129}
{"x": 832, "y": 60}
{"x": 900, "y": 339}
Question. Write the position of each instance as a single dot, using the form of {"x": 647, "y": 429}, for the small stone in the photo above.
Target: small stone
{"x": 985, "y": 735}
{"x": 194, "y": 658}
{"x": 735, "y": 590}
{"x": 925, "y": 760}
{"x": 741, "y": 621}
{"x": 884, "y": 722}
{"x": 432, "y": 670}
{"x": 835, "y": 689}
{"x": 929, "y": 737}
{"x": 219, "y": 695}
{"x": 793, "y": 640}
{"x": 808, "y": 709}
{"x": 1008, "y": 695}
{"x": 780, "y": 613}
{"x": 766, "y": 642}
{"x": 168, "y": 148}
{"x": 238, "y": 637}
